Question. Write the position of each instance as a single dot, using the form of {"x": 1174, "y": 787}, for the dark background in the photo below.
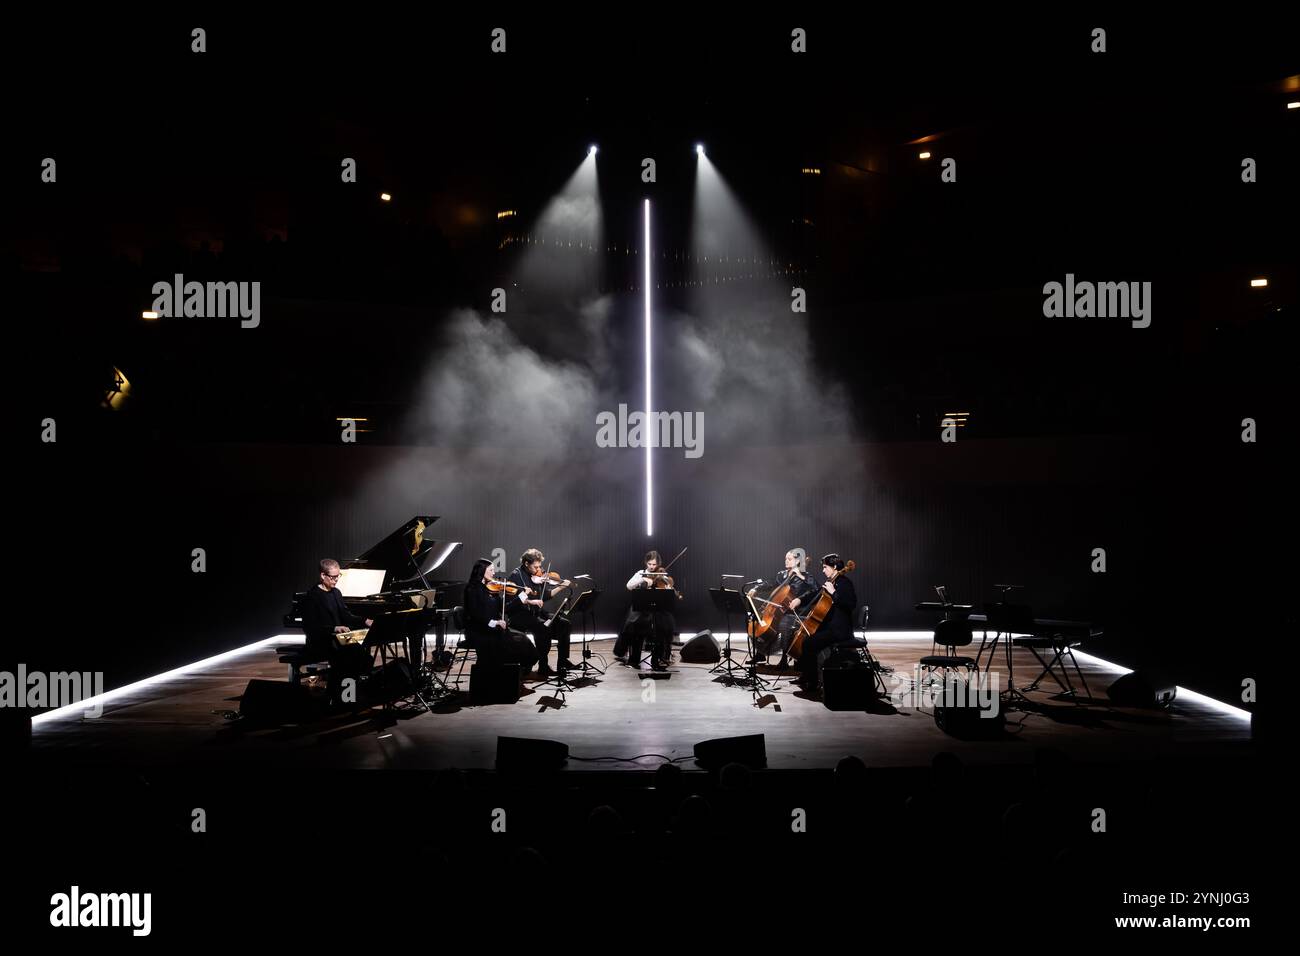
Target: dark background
{"x": 925, "y": 296}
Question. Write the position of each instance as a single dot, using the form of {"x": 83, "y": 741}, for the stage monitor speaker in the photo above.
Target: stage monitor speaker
{"x": 391, "y": 682}
{"x": 15, "y": 729}
{"x": 275, "y": 701}
{"x": 526, "y": 753}
{"x": 851, "y": 687}
{"x": 494, "y": 683}
{"x": 1143, "y": 688}
{"x": 703, "y": 648}
{"x": 750, "y": 750}
{"x": 967, "y": 722}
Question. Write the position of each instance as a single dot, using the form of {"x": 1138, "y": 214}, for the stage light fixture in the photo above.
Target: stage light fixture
{"x": 649, "y": 474}
{"x": 1258, "y": 283}
{"x": 1293, "y": 105}
{"x": 925, "y": 155}
{"x": 958, "y": 418}
{"x": 385, "y": 197}
{"x": 149, "y": 315}
{"x": 118, "y": 391}
{"x": 699, "y": 149}
{"x": 592, "y": 150}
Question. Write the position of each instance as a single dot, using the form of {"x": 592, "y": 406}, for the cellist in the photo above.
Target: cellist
{"x": 837, "y": 627}
{"x": 802, "y": 589}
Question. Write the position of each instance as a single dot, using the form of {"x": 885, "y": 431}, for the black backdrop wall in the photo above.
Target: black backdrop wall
{"x": 118, "y": 593}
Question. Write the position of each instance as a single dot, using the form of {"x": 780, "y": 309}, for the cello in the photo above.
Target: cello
{"x": 774, "y": 608}
{"x": 816, "y": 614}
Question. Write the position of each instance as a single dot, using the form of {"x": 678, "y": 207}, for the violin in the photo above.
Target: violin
{"x": 661, "y": 579}
{"x": 505, "y": 586}
{"x": 552, "y": 580}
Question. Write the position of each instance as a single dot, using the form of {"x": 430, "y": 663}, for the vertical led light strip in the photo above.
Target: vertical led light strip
{"x": 649, "y": 473}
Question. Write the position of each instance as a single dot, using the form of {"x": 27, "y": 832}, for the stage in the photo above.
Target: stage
{"x": 188, "y": 718}
{"x": 698, "y": 323}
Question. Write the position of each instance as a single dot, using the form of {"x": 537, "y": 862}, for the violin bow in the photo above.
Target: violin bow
{"x": 674, "y": 560}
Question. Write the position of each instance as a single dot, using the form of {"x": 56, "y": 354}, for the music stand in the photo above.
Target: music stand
{"x": 395, "y": 628}
{"x": 430, "y": 679}
{"x": 652, "y": 601}
{"x": 560, "y": 679}
{"x": 585, "y": 605}
{"x": 1005, "y": 620}
{"x": 728, "y": 602}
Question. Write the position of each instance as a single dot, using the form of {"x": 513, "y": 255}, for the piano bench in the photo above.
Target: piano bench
{"x": 943, "y": 660}
{"x": 299, "y": 660}
{"x": 1045, "y": 642}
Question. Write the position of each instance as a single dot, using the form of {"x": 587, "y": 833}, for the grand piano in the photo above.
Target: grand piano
{"x": 399, "y": 575}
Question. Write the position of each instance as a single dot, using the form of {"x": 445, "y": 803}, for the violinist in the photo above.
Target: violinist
{"x": 525, "y": 613}
{"x": 837, "y": 627}
{"x": 485, "y": 622}
{"x": 659, "y": 627}
{"x": 802, "y": 590}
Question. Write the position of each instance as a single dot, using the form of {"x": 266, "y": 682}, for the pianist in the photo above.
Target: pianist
{"x": 324, "y": 614}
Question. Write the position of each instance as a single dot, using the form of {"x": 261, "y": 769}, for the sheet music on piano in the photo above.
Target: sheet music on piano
{"x": 361, "y": 582}
{"x": 395, "y": 575}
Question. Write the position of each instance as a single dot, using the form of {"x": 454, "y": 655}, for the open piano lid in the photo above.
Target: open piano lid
{"x": 406, "y": 554}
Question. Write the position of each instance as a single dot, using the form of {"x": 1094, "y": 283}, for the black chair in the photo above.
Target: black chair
{"x": 464, "y": 645}
{"x": 853, "y": 652}
{"x": 950, "y": 634}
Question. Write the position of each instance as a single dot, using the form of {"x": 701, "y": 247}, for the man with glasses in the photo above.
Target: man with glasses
{"x": 325, "y": 614}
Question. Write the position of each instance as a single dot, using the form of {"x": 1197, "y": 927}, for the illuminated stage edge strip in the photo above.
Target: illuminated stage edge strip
{"x": 70, "y": 711}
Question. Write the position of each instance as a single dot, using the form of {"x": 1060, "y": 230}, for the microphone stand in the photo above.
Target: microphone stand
{"x": 428, "y": 672}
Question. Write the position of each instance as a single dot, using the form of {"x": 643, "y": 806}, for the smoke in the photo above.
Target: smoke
{"x": 489, "y": 388}
{"x": 747, "y": 361}
{"x": 571, "y": 215}
{"x": 505, "y": 422}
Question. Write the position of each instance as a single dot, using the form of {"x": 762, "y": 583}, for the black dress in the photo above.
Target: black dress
{"x": 494, "y": 645}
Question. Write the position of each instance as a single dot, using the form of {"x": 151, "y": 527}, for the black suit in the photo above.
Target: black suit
{"x": 494, "y": 645}
{"x": 530, "y": 620}
{"x": 836, "y": 628}
{"x": 322, "y": 611}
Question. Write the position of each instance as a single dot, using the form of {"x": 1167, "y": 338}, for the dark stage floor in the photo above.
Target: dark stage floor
{"x": 626, "y": 834}
{"x": 184, "y": 720}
